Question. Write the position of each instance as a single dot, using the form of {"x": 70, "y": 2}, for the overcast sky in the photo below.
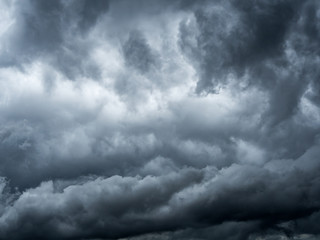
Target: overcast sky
{"x": 160, "y": 119}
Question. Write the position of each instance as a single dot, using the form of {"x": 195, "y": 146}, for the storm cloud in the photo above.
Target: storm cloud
{"x": 149, "y": 119}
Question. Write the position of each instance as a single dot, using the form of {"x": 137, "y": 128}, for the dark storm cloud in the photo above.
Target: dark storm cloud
{"x": 124, "y": 206}
{"x": 42, "y": 30}
{"x": 138, "y": 53}
{"x": 159, "y": 119}
{"x": 265, "y": 31}
{"x": 260, "y": 28}
{"x": 90, "y": 11}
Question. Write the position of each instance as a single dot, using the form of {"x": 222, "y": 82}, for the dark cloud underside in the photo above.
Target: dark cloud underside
{"x": 160, "y": 119}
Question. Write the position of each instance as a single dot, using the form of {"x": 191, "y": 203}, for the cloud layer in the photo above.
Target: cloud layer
{"x": 160, "y": 120}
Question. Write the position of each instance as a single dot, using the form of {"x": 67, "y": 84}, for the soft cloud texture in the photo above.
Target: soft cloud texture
{"x": 159, "y": 119}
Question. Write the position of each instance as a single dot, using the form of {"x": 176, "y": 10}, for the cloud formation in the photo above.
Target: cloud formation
{"x": 159, "y": 119}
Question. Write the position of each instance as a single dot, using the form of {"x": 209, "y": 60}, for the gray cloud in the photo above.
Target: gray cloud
{"x": 44, "y": 29}
{"x": 159, "y": 119}
{"x": 190, "y": 198}
{"x": 138, "y": 53}
{"x": 266, "y": 32}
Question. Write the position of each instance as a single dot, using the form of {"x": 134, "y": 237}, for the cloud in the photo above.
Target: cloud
{"x": 137, "y": 53}
{"x": 266, "y": 34}
{"x": 159, "y": 119}
{"x": 188, "y": 198}
{"x": 42, "y": 30}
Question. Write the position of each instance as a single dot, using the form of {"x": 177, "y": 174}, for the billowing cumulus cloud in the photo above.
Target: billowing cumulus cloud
{"x": 159, "y": 119}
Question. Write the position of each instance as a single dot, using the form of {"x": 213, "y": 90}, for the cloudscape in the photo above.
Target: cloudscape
{"x": 160, "y": 119}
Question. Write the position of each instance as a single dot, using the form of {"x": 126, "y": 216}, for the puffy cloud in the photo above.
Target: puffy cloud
{"x": 159, "y": 119}
{"x": 251, "y": 198}
{"x": 137, "y": 52}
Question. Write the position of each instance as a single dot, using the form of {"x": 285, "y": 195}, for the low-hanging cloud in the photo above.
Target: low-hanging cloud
{"x": 159, "y": 119}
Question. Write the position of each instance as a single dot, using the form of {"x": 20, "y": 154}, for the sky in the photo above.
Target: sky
{"x": 160, "y": 119}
